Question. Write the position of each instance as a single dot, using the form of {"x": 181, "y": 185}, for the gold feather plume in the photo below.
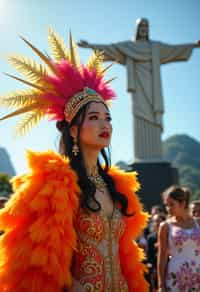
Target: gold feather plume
{"x": 57, "y": 46}
{"x": 40, "y": 88}
{"x": 28, "y": 108}
{"x": 42, "y": 56}
{"x": 29, "y": 102}
{"x": 73, "y": 55}
{"x": 110, "y": 80}
{"x": 19, "y": 98}
{"x": 30, "y": 69}
{"x": 106, "y": 69}
{"x": 96, "y": 62}
{"x": 29, "y": 120}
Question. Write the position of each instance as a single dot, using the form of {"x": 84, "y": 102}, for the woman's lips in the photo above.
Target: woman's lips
{"x": 104, "y": 135}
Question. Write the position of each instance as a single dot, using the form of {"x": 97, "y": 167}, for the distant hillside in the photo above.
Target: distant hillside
{"x": 184, "y": 152}
{"x": 5, "y": 163}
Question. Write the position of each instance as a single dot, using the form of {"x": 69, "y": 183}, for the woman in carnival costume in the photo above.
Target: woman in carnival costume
{"x": 71, "y": 223}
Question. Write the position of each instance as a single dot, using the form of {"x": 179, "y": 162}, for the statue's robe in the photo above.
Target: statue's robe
{"x": 142, "y": 60}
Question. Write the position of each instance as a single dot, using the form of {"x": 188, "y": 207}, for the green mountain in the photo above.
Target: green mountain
{"x": 184, "y": 153}
{"x": 6, "y": 165}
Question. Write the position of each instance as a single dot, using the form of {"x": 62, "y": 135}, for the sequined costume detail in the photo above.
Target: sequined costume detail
{"x": 96, "y": 263}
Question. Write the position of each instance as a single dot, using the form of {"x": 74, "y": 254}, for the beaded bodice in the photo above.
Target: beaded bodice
{"x": 96, "y": 263}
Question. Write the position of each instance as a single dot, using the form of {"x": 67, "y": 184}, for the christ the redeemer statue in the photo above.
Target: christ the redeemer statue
{"x": 142, "y": 58}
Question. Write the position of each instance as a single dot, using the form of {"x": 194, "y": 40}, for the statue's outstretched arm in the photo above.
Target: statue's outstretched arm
{"x": 84, "y": 44}
{"x": 104, "y": 48}
{"x": 178, "y": 52}
{"x": 111, "y": 53}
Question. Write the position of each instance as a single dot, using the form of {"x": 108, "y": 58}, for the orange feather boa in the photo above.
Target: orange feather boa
{"x": 39, "y": 239}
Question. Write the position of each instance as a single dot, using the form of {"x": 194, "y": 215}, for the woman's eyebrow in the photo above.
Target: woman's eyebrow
{"x": 95, "y": 112}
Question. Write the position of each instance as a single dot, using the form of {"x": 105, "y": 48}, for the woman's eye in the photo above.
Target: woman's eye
{"x": 93, "y": 118}
{"x": 109, "y": 119}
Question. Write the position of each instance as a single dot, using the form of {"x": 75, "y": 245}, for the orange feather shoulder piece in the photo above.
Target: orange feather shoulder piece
{"x": 131, "y": 255}
{"x": 38, "y": 241}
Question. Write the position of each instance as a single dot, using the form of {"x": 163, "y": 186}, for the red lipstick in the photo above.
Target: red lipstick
{"x": 104, "y": 135}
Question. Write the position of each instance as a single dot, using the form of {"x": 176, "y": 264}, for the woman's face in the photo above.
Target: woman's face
{"x": 195, "y": 210}
{"x": 174, "y": 207}
{"x": 96, "y": 129}
{"x": 156, "y": 220}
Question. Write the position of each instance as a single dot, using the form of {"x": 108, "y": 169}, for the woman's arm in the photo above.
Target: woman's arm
{"x": 76, "y": 286}
{"x": 198, "y": 221}
{"x": 162, "y": 255}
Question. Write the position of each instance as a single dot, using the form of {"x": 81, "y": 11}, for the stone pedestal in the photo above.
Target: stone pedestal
{"x": 154, "y": 178}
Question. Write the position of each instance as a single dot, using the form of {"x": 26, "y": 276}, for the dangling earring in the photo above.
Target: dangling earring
{"x": 75, "y": 149}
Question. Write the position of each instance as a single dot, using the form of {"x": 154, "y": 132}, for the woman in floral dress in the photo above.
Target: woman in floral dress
{"x": 179, "y": 245}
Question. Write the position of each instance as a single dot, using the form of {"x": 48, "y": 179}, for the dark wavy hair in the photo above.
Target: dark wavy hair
{"x": 179, "y": 194}
{"x": 88, "y": 188}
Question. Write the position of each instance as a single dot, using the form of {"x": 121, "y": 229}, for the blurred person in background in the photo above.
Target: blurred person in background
{"x": 152, "y": 249}
{"x": 195, "y": 208}
{"x": 178, "y": 244}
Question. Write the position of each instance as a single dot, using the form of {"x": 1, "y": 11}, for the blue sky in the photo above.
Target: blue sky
{"x": 106, "y": 21}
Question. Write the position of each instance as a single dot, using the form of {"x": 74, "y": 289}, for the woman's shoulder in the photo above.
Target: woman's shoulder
{"x": 164, "y": 226}
{"x": 124, "y": 179}
{"x": 39, "y": 159}
{"x": 45, "y": 163}
{"x": 49, "y": 176}
{"x": 197, "y": 221}
{"x": 168, "y": 224}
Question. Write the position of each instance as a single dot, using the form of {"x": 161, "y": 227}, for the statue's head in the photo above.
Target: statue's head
{"x": 142, "y": 29}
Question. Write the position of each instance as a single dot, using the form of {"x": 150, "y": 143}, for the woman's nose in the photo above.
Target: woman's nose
{"x": 105, "y": 124}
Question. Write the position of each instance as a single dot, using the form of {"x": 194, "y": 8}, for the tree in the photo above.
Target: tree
{"x": 196, "y": 195}
{"x": 5, "y": 185}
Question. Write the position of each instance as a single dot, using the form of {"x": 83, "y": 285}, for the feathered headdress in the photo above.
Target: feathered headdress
{"x": 58, "y": 89}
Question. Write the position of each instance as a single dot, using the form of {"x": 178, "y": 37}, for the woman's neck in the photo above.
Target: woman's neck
{"x": 182, "y": 217}
{"x": 90, "y": 160}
